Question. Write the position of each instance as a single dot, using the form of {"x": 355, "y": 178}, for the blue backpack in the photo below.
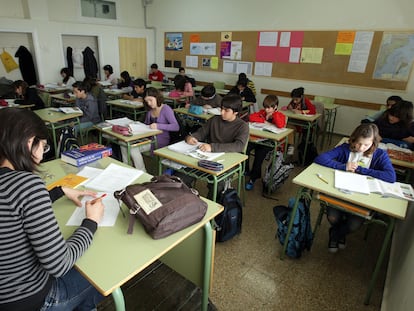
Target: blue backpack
{"x": 229, "y": 222}
{"x": 301, "y": 236}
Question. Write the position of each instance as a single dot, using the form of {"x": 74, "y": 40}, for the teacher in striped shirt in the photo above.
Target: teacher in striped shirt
{"x": 36, "y": 262}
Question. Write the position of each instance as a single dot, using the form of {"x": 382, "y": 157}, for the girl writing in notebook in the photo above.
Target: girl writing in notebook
{"x": 360, "y": 155}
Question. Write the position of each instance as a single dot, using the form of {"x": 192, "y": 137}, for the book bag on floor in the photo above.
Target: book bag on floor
{"x": 67, "y": 140}
{"x": 229, "y": 222}
{"x": 281, "y": 173}
{"x": 311, "y": 152}
{"x": 301, "y": 236}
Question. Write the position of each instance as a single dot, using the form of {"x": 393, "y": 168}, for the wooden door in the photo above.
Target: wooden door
{"x": 133, "y": 56}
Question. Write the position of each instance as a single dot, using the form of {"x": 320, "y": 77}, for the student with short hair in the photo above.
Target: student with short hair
{"x": 208, "y": 98}
{"x": 110, "y": 76}
{"x": 396, "y": 125}
{"x": 181, "y": 71}
{"x": 270, "y": 114}
{"x": 88, "y": 104}
{"x": 37, "y": 264}
{"x": 362, "y": 156}
{"x": 67, "y": 77}
{"x": 26, "y": 95}
{"x": 244, "y": 91}
{"x": 155, "y": 74}
{"x": 138, "y": 93}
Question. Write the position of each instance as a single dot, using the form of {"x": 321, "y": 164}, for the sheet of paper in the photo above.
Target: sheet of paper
{"x": 351, "y": 182}
{"x": 114, "y": 177}
{"x": 120, "y": 121}
{"x": 183, "y": 147}
{"x": 110, "y": 214}
{"x": 139, "y": 127}
{"x": 90, "y": 172}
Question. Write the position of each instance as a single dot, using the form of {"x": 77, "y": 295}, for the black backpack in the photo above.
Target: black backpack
{"x": 301, "y": 236}
{"x": 182, "y": 131}
{"x": 229, "y": 222}
{"x": 280, "y": 174}
{"x": 67, "y": 140}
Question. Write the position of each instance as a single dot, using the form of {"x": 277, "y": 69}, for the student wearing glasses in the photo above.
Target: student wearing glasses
{"x": 36, "y": 267}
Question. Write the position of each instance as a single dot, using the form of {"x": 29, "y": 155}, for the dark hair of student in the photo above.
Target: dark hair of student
{"x": 108, "y": 68}
{"x": 232, "y": 101}
{"x": 125, "y": 75}
{"x": 242, "y": 75}
{"x": 67, "y": 73}
{"x": 297, "y": 93}
{"x": 81, "y": 86}
{"x": 403, "y": 110}
{"x": 209, "y": 91}
{"x": 89, "y": 82}
{"x": 242, "y": 82}
{"x": 270, "y": 101}
{"x": 140, "y": 82}
{"x": 395, "y": 98}
{"x": 181, "y": 69}
{"x": 154, "y": 66}
{"x": 151, "y": 91}
{"x": 20, "y": 83}
{"x": 179, "y": 82}
{"x": 17, "y": 126}
{"x": 365, "y": 130}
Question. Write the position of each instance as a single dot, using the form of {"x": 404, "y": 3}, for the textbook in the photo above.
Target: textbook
{"x": 193, "y": 151}
{"x": 353, "y": 182}
{"x": 268, "y": 127}
{"x": 67, "y": 109}
{"x": 86, "y": 154}
{"x": 70, "y": 180}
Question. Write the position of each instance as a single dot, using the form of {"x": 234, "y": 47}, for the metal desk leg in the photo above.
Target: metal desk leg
{"x": 118, "y": 299}
{"x": 387, "y": 238}
{"x": 52, "y": 126}
{"x": 308, "y": 130}
{"x": 207, "y": 264}
{"x": 215, "y": 186}
{"x": 129, "y": 154}
{"x": 292, "y": 218}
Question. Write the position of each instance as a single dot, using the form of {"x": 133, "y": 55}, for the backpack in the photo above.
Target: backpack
{"x": 281, "y": 173}
{"x": 67, "y": 140}
{"x": 301, "y": 236}
{"x": 311, "y": 152}
{"x": 229, "y": 222}
{"x": 179, "y": 135}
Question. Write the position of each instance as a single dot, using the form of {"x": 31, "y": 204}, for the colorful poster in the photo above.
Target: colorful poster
{"x": 236, "y": 50}
{"x": 195, "y": 38}
{"x": 225, "y": 49}
{"x": 345, "y": 37}
{"x": 214, "y": 62}
{"x": 174, "y": 41}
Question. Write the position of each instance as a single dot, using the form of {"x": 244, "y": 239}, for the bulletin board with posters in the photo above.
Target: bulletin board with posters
{"x": 377, "y": 59}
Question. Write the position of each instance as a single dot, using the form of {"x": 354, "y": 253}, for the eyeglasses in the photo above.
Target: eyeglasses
{"x": 46, "y": 148}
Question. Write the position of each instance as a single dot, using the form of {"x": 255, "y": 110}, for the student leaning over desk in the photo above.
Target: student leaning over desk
{"x": 26, "y": 95}
{"x": 299, "y": 103}
{"x": 138, "y": 93}
{"x": 360, "y": 156}
{"x": 36, "y": 267}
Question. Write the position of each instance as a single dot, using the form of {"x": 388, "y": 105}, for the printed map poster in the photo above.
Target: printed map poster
{"x": 174, "y": 41}
{"x": 395, "y": 57}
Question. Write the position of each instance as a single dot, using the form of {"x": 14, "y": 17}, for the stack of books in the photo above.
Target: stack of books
{"x": 86, "y": 154}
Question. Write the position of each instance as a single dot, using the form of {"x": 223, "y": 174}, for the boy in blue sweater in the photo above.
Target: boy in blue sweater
{"x": 361, "y": 156}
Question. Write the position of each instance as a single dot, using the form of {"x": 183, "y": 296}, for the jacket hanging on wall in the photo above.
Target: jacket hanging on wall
{"x": 26, "y": 65}
{"x": 69, "y": 59}
{"x": 90, "y": 66}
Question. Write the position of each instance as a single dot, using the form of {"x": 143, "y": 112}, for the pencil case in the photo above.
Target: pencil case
{"x": 210, "y": 165}
{"x": 123, "y": 130}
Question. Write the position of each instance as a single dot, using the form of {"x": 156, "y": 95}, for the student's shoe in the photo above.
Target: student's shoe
{"x": 291, "y": 150}
{"x": 250, "y": 185}
{"x": 333, "y": 245}
{"x": 342, "y": 243}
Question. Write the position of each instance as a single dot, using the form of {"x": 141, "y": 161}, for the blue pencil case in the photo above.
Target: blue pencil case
{"x": 210, "y": 165}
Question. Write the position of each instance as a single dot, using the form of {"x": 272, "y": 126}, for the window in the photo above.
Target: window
{"x": 98, "y": 8}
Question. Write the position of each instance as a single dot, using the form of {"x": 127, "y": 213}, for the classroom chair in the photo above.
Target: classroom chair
{"x": 156, "y": 83}
{"x": 321, "y": 130}
{"x": 219, "y": 85}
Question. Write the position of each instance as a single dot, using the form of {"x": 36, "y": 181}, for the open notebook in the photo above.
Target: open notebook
{"x": 193, "y": 151}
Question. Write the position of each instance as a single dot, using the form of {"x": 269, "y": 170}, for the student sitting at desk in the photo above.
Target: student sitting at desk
{"x": 361, "y": 156}
{"x": 26, "y": 95}
{"x": 224, "y": 133}
{"x": 36, "y": 266}
{"x": 181, "y": 71}
{"x": 250, "y": 83}
{"x": 244, "y": 91}
{"x": 299, "y": 103}
{"x": 94, "y": 88}
{"x": 67, "y": 77}
{"x": 155, "y": 74}
{"x": 88, "y": 104}
{"x": 158, "y": 117}
{"x": 126, "y": 81}
{"x": 138, "y": 93}
{"x": 208, "y": 98}
{"x": 268, "y": 114}
{"x": 182, "y": 87}
{"x": 396, "y": 125}
{"x": 391, "y": 101}
{"x": 110, "y": 76}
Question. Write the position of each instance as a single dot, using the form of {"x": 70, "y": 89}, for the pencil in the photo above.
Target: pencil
{"x": 321, "y": 178}
{"x": 99, "y": 198}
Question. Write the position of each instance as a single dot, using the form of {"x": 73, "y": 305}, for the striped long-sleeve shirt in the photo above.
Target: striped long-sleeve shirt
{"x": 32, "y": 248}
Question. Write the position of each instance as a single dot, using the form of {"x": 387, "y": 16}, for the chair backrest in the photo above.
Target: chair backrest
{"x": 327, "y": 101}
{"x": 320, "y": 108}
{"x": 219, "y": 84}
{"x": 156, "y": 83}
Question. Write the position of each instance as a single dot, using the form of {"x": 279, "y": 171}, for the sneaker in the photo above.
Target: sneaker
{"x": 342, "y": 243}
{"x": 333, "y": 245}
{"x": 250, "y": 185}
{"x": 290, "y": 150}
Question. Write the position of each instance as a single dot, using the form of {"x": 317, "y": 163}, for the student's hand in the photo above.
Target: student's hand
{"x": 94, "y": 210}
{"x": 74, "y": 194}
{"x": 205, "y": 147}
{"x": 191, "y": 140}
{"x": 187, "y": 106}
{"x": 409, "y": 139}
{"x": 351, "y": 166}
{"x": 269, "y": 115}
{"x": 153, "y": 126}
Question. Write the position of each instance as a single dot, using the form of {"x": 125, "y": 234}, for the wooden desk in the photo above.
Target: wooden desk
{"x": 197, "y": 90}
{"x": 307, "y": 122}
{"x": 174, "y": 101}
{"x": 115, "y": 93}
{"x": 58, "y": 100}
{"x": 232, "y": 162}
{"x": 126, "y": 106}
{"x": 130, "y": 141}
{"x": 115, "y": 257}
{"x": 56, "y": 120}
{"x": 273, "y": 140}
{"x": 391, "y": 207}
{"x": 10, "y": 103}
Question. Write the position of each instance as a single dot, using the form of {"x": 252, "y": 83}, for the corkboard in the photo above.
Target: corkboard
{"x": 333, "y": 68}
